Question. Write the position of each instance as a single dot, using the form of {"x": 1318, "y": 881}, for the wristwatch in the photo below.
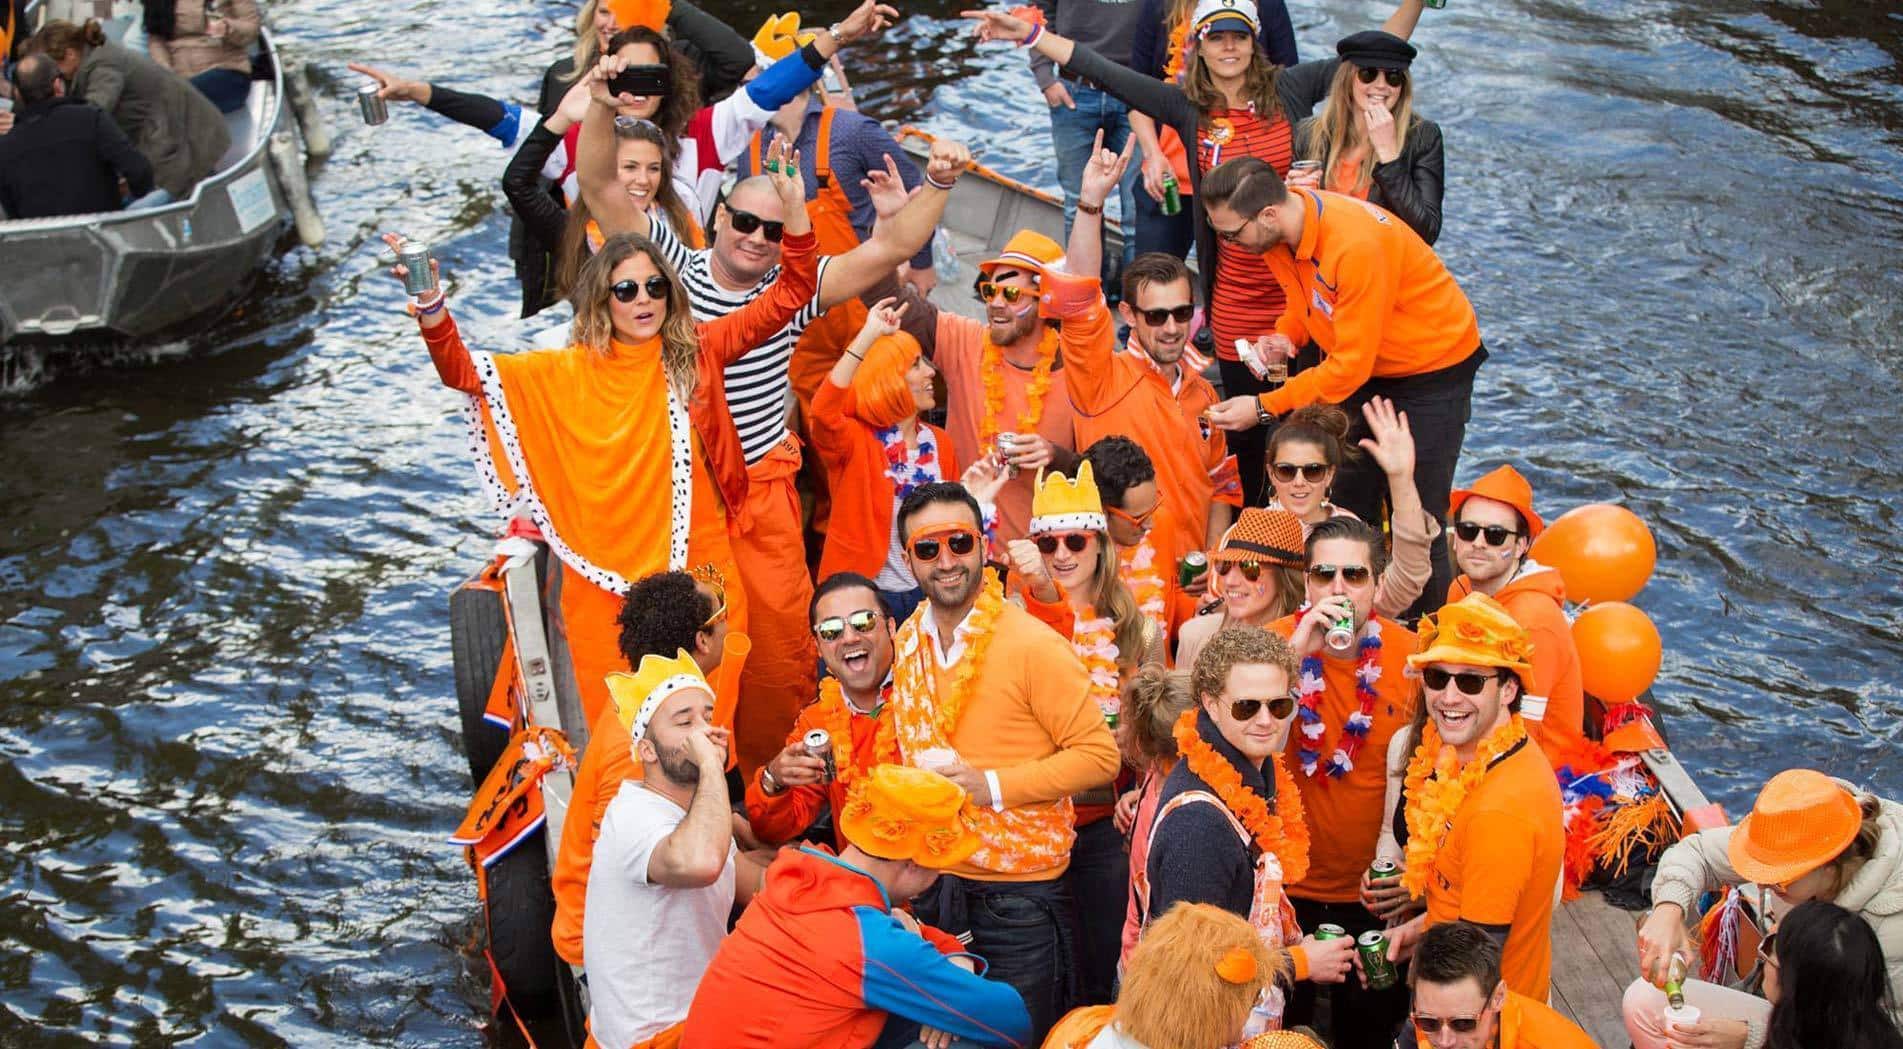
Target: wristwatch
{"x": 1263, "y": 416}
{"x": 769, "y": 786}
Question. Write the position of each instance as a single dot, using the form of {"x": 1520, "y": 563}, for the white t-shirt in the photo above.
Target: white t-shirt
{"x": 647, "y": 945}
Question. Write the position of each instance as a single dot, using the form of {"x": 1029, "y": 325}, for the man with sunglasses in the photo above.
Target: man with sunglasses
{"x": 1494, "y": 525}
{"x": 1000, "y": 704}
{"x": 1353, "y": 700}
{"x": 1460, "y": 1002}
{"x": 1134, "y": 510}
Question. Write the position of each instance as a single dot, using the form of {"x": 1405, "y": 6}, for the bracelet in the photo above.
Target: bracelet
{"x": 1037, "y": 30}
{"x": 838, "y": 37}
{"x": 419, "y": 309}
{"x": 942, "y": 187}
{"x": 1090, "y": 209}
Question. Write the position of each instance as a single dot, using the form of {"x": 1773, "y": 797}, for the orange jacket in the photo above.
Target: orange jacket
{"x": 779, "y": 818}
{"x": 861, "y": 528}
{"x": 1555, "y": 705}
{"x": 1366, "y": 288}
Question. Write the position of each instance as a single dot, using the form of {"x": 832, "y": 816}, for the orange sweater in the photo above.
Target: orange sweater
{"x": 861, "y": 528}
{"x": 1555, "y": 706}
{"x": 1366, "y": 288}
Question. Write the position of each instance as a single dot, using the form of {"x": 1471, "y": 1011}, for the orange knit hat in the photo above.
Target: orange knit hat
{"x": 631, "y": 13}
{"x": 1504, "y": 485}
{"x": 897, "y": 812}
{"x": 1801, "y": 821}
{"x": 1476, "y": 631}
{"x": 884, "y": 397}
{"x": 1274, "y": 536}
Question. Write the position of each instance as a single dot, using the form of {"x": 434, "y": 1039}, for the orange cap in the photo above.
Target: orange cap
{"x": 1026, "y": 250}
{"x": 897, "y": 812}
{"x": 1802, "y": 820}
{"x": 1504, "y": 485}
{"x": 1274, "y": 536}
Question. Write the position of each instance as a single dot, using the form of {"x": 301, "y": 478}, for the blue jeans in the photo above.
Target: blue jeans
{"x": 227, "y": 88}
{"x": 1072, "y": 132}
{"x": 1022, "y": 929}
{"x": 1099, "y": 880}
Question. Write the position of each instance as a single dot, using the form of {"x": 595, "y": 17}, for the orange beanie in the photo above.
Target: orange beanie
{"x": 885, "y": 398}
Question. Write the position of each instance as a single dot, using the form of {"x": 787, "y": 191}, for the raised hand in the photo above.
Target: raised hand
{"x": 392, "y": 87}
{"x": 868, "y": 19}
{"x": 886, "y": 189}
{"x": 948, "y": 160}
{"x": 883, "y": 319}
{"x": 1378, "y": 124}
{"x": 783, "y": 168}
{"x": 998, "y": 25}
{"x": 1389, "y": 441}
{"x": 984, "y": 478}
{"x": 1104, "y": 171}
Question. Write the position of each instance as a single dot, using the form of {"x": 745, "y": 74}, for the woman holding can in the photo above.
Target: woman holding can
{"x": 1258, "y": 578}
{"x": 1367, "y": 142}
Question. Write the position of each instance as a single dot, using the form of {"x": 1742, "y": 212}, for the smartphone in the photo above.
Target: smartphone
{"x": 640, "y": 81}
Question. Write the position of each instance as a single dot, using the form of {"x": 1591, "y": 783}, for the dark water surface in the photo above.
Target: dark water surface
{"x": 228, "y": 749}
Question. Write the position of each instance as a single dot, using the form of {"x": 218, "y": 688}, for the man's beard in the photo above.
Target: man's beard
{"x": 679, "y": 766}
{"x": 948, "y": 594}
{"x": 1016, "y": 329}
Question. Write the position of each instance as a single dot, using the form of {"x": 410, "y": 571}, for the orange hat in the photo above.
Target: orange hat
{"x": 884, "y": 397}
{"x": 1027, "y": 250}
{"x": 1274, "y": 536}
{"x": 1801, "y": 821}
{"x": 897, "y": 812}
{"x": 1504, "y": 485}
{"x": 1477, "y": 631}
{"x": 1282, "y": 1040}
{"x": 631, "y": 13}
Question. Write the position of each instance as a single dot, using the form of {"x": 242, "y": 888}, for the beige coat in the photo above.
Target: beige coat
{"x": 177, "y": 129}
{"x": 190, "y": 52}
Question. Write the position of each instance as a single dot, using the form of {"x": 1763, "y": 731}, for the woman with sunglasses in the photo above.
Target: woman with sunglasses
{"x": 1309, "y": 447}
{"x": 1367, "y": 139}
{"x": 1808, "y": 837}
{"x": 1257, "y": 573}
{"x": 591, "y": 441}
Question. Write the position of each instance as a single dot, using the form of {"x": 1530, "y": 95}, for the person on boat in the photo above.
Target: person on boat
{"x": 641, "y": 175}
{"x": 1193, "y": 981}
{"x": 1827, "y": 980}
{"x": 1258, "y": 579}
{"x": 1234, "y": 103}
{"x": 1808, "y": 837}
{"x": 1391, "y": 322}
{"x": 1481, "y": 808}
{"x": 1352, "y": 699}
{"x": 1133, "y": 505}
{"x": 1494, "y": 525}
{"x": 168, "y": 120}
{"x": 1154, "y": 699}
{"x": 664, "y": 612}
{"x": 662, "y": 882}
{"x": 826, "y": 956}
{"x": 1001, "y": 705}
{"x": 1461, "y": 1002}
{"x": 64, "y": 156}
{"x": 208, "y": 42}
{"x": 1230, "y": 828}
{"x": 1306, "y": 453}
{"x": 1367, "y": 139}
{"x": 592, "y": 439}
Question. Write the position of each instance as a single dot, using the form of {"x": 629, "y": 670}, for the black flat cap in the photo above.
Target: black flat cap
{"x": 1374, "y": 49}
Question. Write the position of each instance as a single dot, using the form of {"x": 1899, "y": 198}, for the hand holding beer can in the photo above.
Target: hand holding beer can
{"x": 819, "y": 744}
{"x": 1373, "y": 947}
{"x": 370, "y": 103}
{"x": 1194, "y": 566}
{"x": 1342, "y": 635}
{"x": 1006, "y": 443}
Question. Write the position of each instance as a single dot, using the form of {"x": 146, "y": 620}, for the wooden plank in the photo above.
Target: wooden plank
{"x": 1612, "y": 932}
{"x": 1594, "y": 991}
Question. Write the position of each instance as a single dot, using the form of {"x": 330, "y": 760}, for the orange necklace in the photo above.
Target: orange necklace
{"x": 837, "y": 715}
{"x": 922, "y": 718}
{"x": 1435, "y": 787}
{"x": 1282, "y": 832}
{"x": 991, "y": 368}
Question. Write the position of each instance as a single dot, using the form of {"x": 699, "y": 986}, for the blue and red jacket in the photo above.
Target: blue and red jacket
{"x": 819, "y": 960}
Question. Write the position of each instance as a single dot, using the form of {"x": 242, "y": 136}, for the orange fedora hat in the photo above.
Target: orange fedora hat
{"x": 1802, "y": 820}
{"x": 1026, "y": 250}
{"x": 1504, "y": 485}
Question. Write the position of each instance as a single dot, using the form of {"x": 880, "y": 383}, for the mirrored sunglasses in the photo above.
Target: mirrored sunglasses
{"x": 833, "y": 628}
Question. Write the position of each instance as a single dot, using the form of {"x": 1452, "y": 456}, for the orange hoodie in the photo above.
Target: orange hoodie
{"x": 1555, "y": 707}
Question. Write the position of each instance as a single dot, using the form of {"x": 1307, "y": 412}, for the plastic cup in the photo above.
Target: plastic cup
{"x": 1683, "y": 1016}
{"x": 937, "y": 759}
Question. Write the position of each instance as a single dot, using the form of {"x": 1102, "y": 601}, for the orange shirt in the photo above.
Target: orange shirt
{"x": 1555, "y": 706}
{"x": 1366, "y": 288}
{"x": 958, "y": 354}
{"x": 1529, "y": 1024}
{"x": 862, "y": 491}
{"x": 779, "y": 818}
{"x": 1500, "y": 865}
{"x": 1345, "y": 815}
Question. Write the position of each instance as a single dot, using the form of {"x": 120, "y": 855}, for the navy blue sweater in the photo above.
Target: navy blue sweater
{"x": 1195, "y": 855}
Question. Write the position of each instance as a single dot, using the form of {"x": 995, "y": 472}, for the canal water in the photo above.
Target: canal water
{"x": 228, "y": 749}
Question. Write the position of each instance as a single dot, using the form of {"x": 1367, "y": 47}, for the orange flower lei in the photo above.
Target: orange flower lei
{"x": 1282, "y": 832}
{"x": 838, "y": 715}
{"x": 1179, "y": 46}
{"x": 991, "y": 368}
{"x": 1140, "y": 575}
{"x": 1435, "y": 787}
{"x": 912, "y": 694}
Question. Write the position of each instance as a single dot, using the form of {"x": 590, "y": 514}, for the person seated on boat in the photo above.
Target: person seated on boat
{"x": 1354, "y": 696}
{"x": 64, "y": 156}
{"x": 1481, "y": 808}
{"x": 662, "y": 884}
{"x": 1256, "y": 579}
{"x": 1460, "y": 1000}
{"x": 167, "y": 119}
{"x": 1306, "y": 453}
{"x": 1494, "y": 525}
{"x": 1133, "y": 506}
{"x": 1230, "y": 828}
{"x": 1234, "y": 102}
{"x": 1808, "y": 837}
{"x": 1367, "y": 138}
{"x": 1392, "y": 323}
{"x": 594, "y": 440}
{"x": 1827, "y": 980}
{"x": 827, "y": 957}
{"x": 208, "y": 42}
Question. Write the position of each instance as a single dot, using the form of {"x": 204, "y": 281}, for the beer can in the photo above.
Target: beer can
{"x": 1330, "y": 931}
{"x": 1382, "y": 870}
{"x": 1342, "y": 634}
{"x": 371, "y": 104}
{"x": 1172, "y": 195}
{"x": 1192, "y": 567}
{"x": 415, "y": 256}
{"x": 1006, "y": 441}
{"x": 1373, "y": 946}
{"x": 819, "y": 744}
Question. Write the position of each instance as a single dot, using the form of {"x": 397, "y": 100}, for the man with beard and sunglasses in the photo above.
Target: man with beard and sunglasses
{"x": 1353, "y": 696}
{"x": 985, "y": 694}
{"x": 1494, "y": 526}
{"x": 1460, "y": 1002}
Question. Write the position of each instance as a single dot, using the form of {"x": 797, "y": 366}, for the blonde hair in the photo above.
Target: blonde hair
{"x": 1173, "y": 997}
{"x": 1258, "y": 83}
{"x": 572, "y": 253}
{"x": 1863, "y": 846}
{"x": 594, "y": 321}
{"x": 1154, "y": 698}
{"x": 1114, "y": 600}
{"x": 1334, "y": 132}
{"x": 587, "y": 42}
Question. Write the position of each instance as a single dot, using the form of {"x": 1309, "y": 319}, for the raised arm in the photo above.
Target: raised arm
{"x": 614, "y": 211}
{"x": 522, "y": 179}
{"x": 1391, "y": 444}
{"x": 898, "y": 239}
{"x": 724, "y": 340}
{"x": 746, "y": 111}
{"x": 1163, "y": 101}
{"x": 694, "y": 853}
{"x": 724, "y": 55}
{"x": 494, "y": 117}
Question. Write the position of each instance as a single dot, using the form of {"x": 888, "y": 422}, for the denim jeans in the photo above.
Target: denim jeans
{"x": 1099, "y": 879}
{"x": 1023, "y": 932}
{"x": 1072, "y": 132}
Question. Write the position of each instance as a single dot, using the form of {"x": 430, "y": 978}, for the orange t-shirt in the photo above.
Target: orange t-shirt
{"x": 1527, "y": 1024}
{"x": 1247, "y": 297}
{"x": 1345, "y": 815}
{"x": 1500, "y": 865}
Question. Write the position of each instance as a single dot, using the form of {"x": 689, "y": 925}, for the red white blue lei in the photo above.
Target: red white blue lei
{"x": 1360, "y": 723}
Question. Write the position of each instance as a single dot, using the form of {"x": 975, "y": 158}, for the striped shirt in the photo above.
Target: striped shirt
{"x": 757, "y": 383}
{"x": 1248, "y": 298}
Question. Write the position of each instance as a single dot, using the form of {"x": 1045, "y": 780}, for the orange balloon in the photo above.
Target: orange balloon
{"x": 1603, "y": 552}
{"x": 1619, "y": 651}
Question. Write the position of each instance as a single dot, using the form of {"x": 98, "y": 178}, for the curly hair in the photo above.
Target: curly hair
{"x": 1119, "y": 464}
{"x": 1233, "y": 647}
{"x": 661, "y": 615}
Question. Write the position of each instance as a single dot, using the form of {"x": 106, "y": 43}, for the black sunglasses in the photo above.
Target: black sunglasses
{"x": 745, "y": 222}
{"x": 656, "y": 286}
{"x": 1311, "y": 472}
{"x": 1246, "y": 709}
{"x": 1073, "y": 541}
{"x": 1012, "y": 293}
{"x": 1431, "y": 1025}
{"x": 960, "y": 544}
{"x": 1469, "y": 682}
{"x": 1179, "y": 314}
{"x": 834, "y": 627}
{"x": 1497, "y": 535}
{"x": 1354, "y": 574}
{"x": 1395, "y": 78}
{"x": 1251, "y": 570}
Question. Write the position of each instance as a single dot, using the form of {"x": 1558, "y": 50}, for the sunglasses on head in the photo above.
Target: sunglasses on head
{"x": 833, "y": 628}
{"x": 1075, "y": 542}
{"x": 1497, "y": 535}
{"x": 745, "y": 222}
{"x": 1469, "y": 682}
{"x": 1395, "y": 78}
{"x": 1179, "y": 314}
{"x": 1311, "y": 472}
{"x": 656, "y": 286}
{"x": 960, "y": 541}
{"x": 1354, "y": 574}
{"x": 987, "y": 290}
{"x": 1280, "y": 707}
{"x": 1431, "y": 1025}
{"x": 1251, "y": 569}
